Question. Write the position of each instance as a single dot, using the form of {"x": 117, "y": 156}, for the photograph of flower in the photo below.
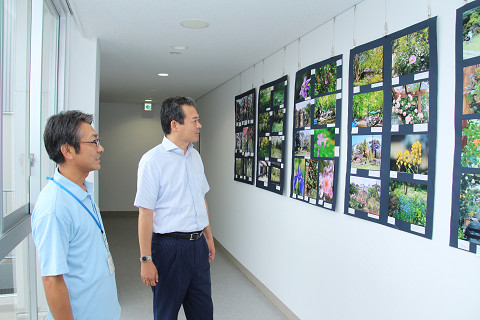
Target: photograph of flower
{"x": 368, "y": 67}
{"x": 248, "y": 167}
{"x": 276, "y": 169}
{"x": 302, "y": 143}
{"x": 471, "y": 42}
{"x": 262, "y": 171}
{"x": 368, "y": 109}
{"x": 239, "y": 166}
{"x": 276, "y": 147}
{"x": 410, "y": 103}
{"x": 364, "y": 194}
{"x": 409, "y": 153}
{"x": 366, "y": 152}
{"x": 264, "y": 99}
{"x": 279, "y": 94}
{"x": 277, "y": 120}
{"x": 311, "y": 174}
{"x": 408, "y": 202}
{"x": 469, "y": 206}
{"x": 239, "y": 110}
{"x": 303, "y": 85}
{"x": 263, "y": 147}
{"x": 302, "y": 114}
{"x": 238, "y": 140}
{"x": 324, "y": 143}
{"x": 264, "y": 122}
{"x": 326, "y": 78}
{"x": 249, "y": 105}
{"x": 299, "y": 176}
{"x": 470, "y": 156}
{"x": 410, "y": 53}
{"x": 326, "y": 179}
{"x": 471, "y": 89}
{"x": 247, "y": 139}
{"x": 325, "y": 108}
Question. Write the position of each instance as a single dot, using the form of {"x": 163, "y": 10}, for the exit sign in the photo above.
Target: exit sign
{"x": 148, "y": 106}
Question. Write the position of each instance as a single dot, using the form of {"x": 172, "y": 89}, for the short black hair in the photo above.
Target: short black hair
{"x": 63, "y": 128}
{"x": 172, "y": 110}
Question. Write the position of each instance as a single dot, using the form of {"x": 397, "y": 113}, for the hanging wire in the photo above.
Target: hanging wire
{"x": 429, "y": 9}
{"x": 333, "y": 37}
{"x": 263, "y": 72}
{"x": 240, "y": 84}
{"x": 386, "y": 26}
{"x": 253, "y": 76}
{"x": 354, "y": 18}
{"x": 299, "y": 64}
{"x": 284, "y": 53}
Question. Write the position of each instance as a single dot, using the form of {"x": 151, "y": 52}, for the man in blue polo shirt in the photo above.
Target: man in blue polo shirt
{"x": 176, "y": 242}
{"x": 76, "y": 265}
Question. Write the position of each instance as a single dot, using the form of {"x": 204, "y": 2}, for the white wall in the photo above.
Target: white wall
{"x": 127, "y": 132}
{"x": 327, "y": 265}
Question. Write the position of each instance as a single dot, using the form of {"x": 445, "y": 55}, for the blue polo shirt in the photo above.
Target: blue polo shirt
{"x": 69, "y": 243}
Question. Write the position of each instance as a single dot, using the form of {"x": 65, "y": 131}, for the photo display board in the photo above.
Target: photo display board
{"x": 392, "y": 140}
{"x": 272, "y": 121}
{"x": 244, "y": 168}
{"x": 316, "y": 133}
{"x": 464, "y": 225}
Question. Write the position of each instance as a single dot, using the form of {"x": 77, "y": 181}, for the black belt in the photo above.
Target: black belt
{"x": 182, "y": 235}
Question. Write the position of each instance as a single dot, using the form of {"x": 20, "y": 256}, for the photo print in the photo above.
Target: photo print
{"x": 469, "y": 214}
{"x": 411, "y": 53}
{"x": 325, "y": 108}
{"x": 409, "y": 153}
{"x": 264, "y": 122}
{"x": 326, "y": 78}
{"x": 364, "y": 194}
{"x": 302, "y": 114}
{"x": 276, "y": 147}
{"x": 245, "y": 132}
{"x": 239, "y": 110}
{"x": 276, "y": 173}
{"x": 367, "y": 109}
{"x": 408, "y": 202}
{"x": 471, "y": 89}
{"x": 277, "y": 120}
{"x": 471, "y": 41}
{"x": 303, "y": 86}
{"x": 299, "y": 177}
{"x": 303, "y": 143}
{"x": 366, "y": 152}
{"x": 262, "y": 174}
{"x": 248, "y": 167}
{"x": 470, "y": 156}
{"x": 264, "y": 101}
{"x": 238, "y": 141}
{"x": 410, "y": 103}
{"x": 311, "y": 177}
{"x": 239, "y": 166}
{"x": 324, "y": 143}
{"x": 263, "y": 147}
{"x": 279, "y": 94}
{"x": 368, "y": 67}
{"x": 326, "y": 180}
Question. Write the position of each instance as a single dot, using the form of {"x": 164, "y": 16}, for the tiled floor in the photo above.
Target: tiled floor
{"x": 234, "y": 296}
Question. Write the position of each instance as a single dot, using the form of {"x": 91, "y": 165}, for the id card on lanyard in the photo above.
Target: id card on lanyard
{"x": 111, "y": 266}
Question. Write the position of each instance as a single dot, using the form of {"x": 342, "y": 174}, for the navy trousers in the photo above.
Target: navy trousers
{"x": 183, "y": 278}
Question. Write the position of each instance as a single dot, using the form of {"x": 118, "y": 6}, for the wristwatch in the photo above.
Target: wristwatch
{"x": 145, "y": 258}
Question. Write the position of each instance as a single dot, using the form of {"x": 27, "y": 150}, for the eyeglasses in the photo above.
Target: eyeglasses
{"x": 96, "y": 141}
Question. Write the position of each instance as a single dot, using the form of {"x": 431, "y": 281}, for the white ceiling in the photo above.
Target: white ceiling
{"x": 135, "y": 40}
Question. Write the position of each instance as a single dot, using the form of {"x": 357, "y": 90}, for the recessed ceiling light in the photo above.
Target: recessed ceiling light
{"x": 194, "y": 24}
{"x": 163, "y": 74}
{"x": 175, "y": 53}
{"x": 148, "y": 100}
{"x": 179, "y": 47}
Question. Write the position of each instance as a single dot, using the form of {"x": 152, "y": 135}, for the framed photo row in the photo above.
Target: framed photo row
{"x": 316, "y": 133}
{"x": 392, "y": 140}
{"x": 272, "y": 121}
{"x": 245, "y": 130}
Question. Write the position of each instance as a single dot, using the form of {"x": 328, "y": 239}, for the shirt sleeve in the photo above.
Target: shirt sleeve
{"x": 147, "y": 185}
{"x": 51, "y": 237}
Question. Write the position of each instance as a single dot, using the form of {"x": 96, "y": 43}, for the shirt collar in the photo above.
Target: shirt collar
{"x": 170, "y": 146}
{"x": 73, "y": 187}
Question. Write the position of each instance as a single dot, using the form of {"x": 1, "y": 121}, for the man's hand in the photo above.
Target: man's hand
{"x": 149, "y": 273}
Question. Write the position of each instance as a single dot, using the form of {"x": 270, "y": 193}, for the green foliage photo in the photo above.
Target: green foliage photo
{"x": 469, "y": 201}
{"x": 279, "y": 95}
{"x": 471, "y": 30}
{"x": 368, "y": 67}
{"x": 325, "y": 108}
{"x": 264, "y": 122}
{"x": 408, "y": 202}
{"x": 367, "y": 109}
{"x": 263, "y": 146}
{"x": 277, "y": 120}
{"x": 326, "y": 79}
{"x": 470, "y": 141}
{"x": 264, "y": 99}
{"x": 411, "y": 53}
{"x": 324, "y": 143}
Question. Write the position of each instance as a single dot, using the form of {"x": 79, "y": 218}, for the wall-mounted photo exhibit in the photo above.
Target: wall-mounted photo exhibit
{"x": 392, "y": 140}
{"x": 272, "y": 121}
{"x": 465, "y": 220}
{"x": 244, "y": 169}
{"x": 316, "y": 133}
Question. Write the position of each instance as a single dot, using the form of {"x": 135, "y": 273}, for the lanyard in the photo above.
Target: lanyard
{"x": 83, "y": 205}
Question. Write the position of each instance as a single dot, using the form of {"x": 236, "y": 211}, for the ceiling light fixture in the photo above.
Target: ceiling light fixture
{"x": 148, "y": 100}
{"x": 175, "y": 53}
{"x": 194, "y": 24}
{"x": 179, "y": 47}
{"x": 163, "y": 74}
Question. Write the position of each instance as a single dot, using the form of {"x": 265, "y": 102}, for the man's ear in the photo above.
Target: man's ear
{"x": 174, "y": 126}
{"x": 68, "y": 151}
